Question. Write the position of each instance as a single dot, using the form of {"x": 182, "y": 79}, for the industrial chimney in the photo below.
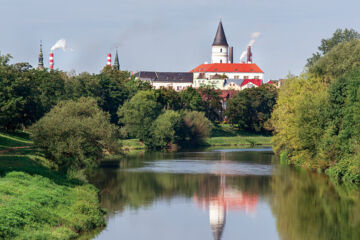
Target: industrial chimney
{"x": 51, "y": 61}
{"x": 231, "y": 54}
{"x": 249, "y": 55}
{"x": 108, "y": 60}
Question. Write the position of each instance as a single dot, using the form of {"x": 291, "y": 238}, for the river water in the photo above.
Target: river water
{"x": 222, "y": 194}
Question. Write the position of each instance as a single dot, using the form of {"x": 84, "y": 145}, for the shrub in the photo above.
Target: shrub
{"x": 75, "y": 134}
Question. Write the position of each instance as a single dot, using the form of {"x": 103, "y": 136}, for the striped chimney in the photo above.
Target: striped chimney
{"x": 51, "y": 61}
{"x": 108, "y": 60}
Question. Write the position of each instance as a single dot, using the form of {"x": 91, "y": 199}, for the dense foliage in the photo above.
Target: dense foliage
{"x": 316, "y": 119}
{"x": 251, "y": 108}
{"x": 75, "y": 134}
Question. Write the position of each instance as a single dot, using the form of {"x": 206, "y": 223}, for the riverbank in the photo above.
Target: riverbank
{"x": 39, "y": 203}
{"x": 221, "y": 135}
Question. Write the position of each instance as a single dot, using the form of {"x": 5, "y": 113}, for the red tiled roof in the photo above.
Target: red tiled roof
{"x": 228, "y": 67}
{"x": 257, "y": 82}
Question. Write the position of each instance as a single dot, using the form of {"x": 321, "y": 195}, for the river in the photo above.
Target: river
{"x": 222, "y": 194}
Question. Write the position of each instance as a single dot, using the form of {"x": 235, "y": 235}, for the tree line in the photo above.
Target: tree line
{"x": 77, "y": 119}
{"x": 317, "y": 117}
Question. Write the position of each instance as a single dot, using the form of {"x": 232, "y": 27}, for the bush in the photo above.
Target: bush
{"x": 198, "y": 125}
{"x": 167, "y": 129}
{"x": 75, "y": 134}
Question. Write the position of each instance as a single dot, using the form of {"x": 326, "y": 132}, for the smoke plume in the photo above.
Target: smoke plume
{"x": 61, "y": 44}
{"x": 254, "y": 36}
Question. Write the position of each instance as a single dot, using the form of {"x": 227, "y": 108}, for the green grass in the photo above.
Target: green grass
{"x": 132, "y": 144}
{"x": 37, "y": 202}
{"x": 238, "y": 141}
{"x": 14, "y": 140}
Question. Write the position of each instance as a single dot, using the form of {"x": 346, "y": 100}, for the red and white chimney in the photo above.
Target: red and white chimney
{"x": 51, "y": 61}
{"x": 249, "y": 55}
{"x": 108, "y": 60}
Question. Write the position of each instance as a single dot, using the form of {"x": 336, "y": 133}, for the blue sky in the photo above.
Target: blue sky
{"x": 171, "y": 35}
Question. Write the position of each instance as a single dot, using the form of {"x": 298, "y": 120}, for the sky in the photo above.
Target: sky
{"x": 170, "y": 35}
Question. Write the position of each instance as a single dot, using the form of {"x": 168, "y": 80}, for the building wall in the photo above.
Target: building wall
{"x": 232, "y": 75}
{"x": 219, "y": 54}
{"x": 177, "y": 86}
{"x": 215, "y": 83}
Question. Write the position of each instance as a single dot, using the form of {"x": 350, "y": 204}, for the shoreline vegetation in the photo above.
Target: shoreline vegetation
{"x": 37, "y": 202}
{"x": 221, "y": 135}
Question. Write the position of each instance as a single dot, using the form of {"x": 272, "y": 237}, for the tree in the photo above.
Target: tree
{"x": 213, "y": 106}
{"x": 198, "y": 127}
{"x": 75, "y": 134}
{"x": 191, "y": 100}
{"x": 168, "y": 98}
{"x": 138, "y": 114}
{"x": 339, "y": 60}
{"x": 167, "y": 129}
{"x": 338, "y": 37}
{"x": 251, "y": 108}
{"x": 19, "y": 97}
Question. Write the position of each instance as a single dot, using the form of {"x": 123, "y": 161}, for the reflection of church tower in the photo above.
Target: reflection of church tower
{"x": 217, "y": 211}
{"x": 41, "y": 59}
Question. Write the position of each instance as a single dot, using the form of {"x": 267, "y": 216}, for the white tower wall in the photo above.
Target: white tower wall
{"x": 219, "y": 54}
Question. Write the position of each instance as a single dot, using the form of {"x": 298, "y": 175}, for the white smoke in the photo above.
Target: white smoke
{"x": 254, "y": 36}
{"x": 61, "y": 44}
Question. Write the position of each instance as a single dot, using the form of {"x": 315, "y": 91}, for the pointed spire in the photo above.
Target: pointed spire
{"x": 41, "y": 58}
{"x": 220, "y": 39}
{"x": 116, "y": 61}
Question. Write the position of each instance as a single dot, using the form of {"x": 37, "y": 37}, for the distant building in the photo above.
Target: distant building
{"x": 176, "y": 80}
{"x": 222, "y": 73}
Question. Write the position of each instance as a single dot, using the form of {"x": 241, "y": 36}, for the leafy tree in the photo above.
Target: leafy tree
{"x": 213, "y": 106}
{"x": 338, "y": 37}
{"x": 19, "y": 98}
{"x": 167, "y": 130}
{"x": 251, "y": 108}
{"x": 339, "y": 60}
{"x": 198, "y": 127}
{"x": 191, "y": 100}
{"x": 138, "y": 114}
{"x": 75, "y": 134}
{"x": 169, "y": 98}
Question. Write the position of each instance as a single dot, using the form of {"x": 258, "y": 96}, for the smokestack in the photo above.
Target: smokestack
{"x": 231, "y": 54}
{"x": 108, "y": 60}
{"x": 249, "y": 55}
{"x": 51, "y": 61}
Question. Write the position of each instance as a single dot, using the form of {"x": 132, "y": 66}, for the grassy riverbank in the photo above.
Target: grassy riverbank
{"x": 221, "y": 135}
{"x": 39, "y": 203}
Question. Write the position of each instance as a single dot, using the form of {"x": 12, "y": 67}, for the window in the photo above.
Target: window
{"x": 246, "y": 77}
{"x": 236, "y": 77}
{"x": 220, "y": 61}
{"x": 256, "y": 77}
{"x": 220, "y": 49}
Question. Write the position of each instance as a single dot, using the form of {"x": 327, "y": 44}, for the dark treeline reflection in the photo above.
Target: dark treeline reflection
{"x": 119, "y": 189}
{"x": 307, "y": 206}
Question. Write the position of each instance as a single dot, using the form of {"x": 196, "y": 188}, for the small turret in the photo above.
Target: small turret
{"x": 219, "y": 52}
{"x": 41, "y": 59}
{"x": 116, "y": 62}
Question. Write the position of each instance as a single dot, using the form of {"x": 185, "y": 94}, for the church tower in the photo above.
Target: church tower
{"x": 41, "y": 58}
{"x": 116, "y": 62}
{"x": 220, "y": 47}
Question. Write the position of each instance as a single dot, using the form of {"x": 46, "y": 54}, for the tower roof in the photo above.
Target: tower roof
{"x": 116, "y": 62}
{"x": 220, "y": 39}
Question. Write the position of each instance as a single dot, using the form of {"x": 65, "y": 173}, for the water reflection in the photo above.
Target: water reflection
{"x": 194, "y": 195}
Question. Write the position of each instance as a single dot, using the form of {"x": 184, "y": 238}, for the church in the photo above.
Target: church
{"x": 222, "y": 73}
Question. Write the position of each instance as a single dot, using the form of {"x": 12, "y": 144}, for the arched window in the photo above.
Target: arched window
{"x": 220, "y": 49}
